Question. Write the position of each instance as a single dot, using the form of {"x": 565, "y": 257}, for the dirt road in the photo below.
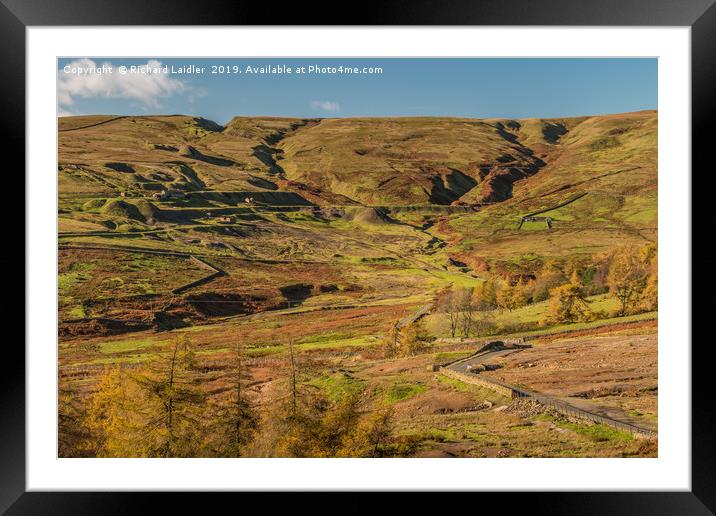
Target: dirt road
{"x": 464, "y": 366}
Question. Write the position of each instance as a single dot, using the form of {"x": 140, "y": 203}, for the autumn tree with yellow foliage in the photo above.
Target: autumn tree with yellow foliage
{"x": 153, "y": 413}
{"x": 114, "y": 417}
{"x": 627, "y": 276}
{"x": 568, "y": 303}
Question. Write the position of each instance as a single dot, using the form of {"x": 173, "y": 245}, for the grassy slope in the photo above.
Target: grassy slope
{"x": 403, "y": 160}
{"x": 612, "y": 158}
{"x": 398, "y": 160}
{"x": 382, "y": 270}
{"x": 151, "y": 147}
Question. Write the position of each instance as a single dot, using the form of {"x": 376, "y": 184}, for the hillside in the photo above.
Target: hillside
{"x": 106, "y": 155}
{"x": 350, "y": 259}
{"x": 409, "y": 160}
{"x": 388, "y": 161}
{"x": 600, "y": 171}
{"x": 603, "y": 173}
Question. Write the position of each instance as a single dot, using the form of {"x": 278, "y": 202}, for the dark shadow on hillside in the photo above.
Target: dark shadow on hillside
{"x": 504, "y": 133}
{"x": 208, "y": 125}
{"x": 120, "y": 167}
{"x": 212, "y": 160}
{"x": 189, "y": 174}
{"x": 216, "y": 304}
{"x": 262, "y": 183}
{"x": 190, "y": 152}
{"x": 268, "y": 156}
{"x": 450, "y": 187}
{"x": 297, "y": 293}
{"x": 552, "y": 132}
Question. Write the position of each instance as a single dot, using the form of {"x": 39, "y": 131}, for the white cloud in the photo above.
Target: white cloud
{"x": 147, "y": 88}
{"x": 64, "y": 112}
{"x": 326, "y": 105}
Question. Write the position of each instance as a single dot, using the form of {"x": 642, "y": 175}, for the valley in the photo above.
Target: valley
{"x": 321, "y": 271}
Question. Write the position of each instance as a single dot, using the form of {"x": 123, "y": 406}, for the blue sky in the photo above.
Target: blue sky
{"x": 480, "y": 88}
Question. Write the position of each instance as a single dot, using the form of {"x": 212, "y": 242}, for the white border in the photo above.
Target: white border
{"x": 671, "y": 470}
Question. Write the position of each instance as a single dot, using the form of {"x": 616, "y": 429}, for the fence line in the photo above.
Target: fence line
{"x": 215, "y": 272}
{"x": 561, "y": 406}
{"x": 418, "y": 314}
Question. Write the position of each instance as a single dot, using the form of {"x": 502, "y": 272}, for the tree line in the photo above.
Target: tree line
{"x": 165, "y": 409}
{"x": 628, "y": 273}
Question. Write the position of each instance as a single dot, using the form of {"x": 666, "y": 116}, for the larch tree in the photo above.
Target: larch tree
{"x": 390, "y": 342}
{"x": 567, "y": 303}
{"x": 173, "y": 402}
{"x": 293, "y": 378}
{"x": 114, "y": 417}
{"x": 650, "y": 295}
{"x": 243, "y": 417}
{"x": 372, "y": 435}
{"x": 486, "y": 295}
{"x": 414, "y": 339}
{"x": 508, "y": 297}
{"x": 72, "y": 434}
{"x": 627, "y": 276}
{"x": 232, "y": 420}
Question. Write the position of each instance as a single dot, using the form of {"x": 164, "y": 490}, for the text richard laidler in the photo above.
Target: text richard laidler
{"x": 265, "y": 69}
{"x": 191, "y": 69}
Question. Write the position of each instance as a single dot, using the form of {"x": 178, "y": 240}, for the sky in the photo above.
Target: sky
{"x": 323, "y": 88}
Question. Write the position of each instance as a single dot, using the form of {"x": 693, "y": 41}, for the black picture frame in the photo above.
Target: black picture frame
{"x": 700, "y": 15}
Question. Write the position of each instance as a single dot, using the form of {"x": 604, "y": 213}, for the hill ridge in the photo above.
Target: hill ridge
{"x": 366, "y": 160}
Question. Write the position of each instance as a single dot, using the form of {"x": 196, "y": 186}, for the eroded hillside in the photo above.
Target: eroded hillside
{"x": 381, "y": 161}
{"x": 595, "y": 178}
{"x": 600, "y": 174}
{"x": 407, "y": 161}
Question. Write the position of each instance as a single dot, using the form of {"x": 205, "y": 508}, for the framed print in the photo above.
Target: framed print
{"x": 444, "y": 250}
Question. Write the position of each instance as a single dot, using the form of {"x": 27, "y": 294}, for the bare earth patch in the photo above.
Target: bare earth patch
{"x": 615, "y": 375}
